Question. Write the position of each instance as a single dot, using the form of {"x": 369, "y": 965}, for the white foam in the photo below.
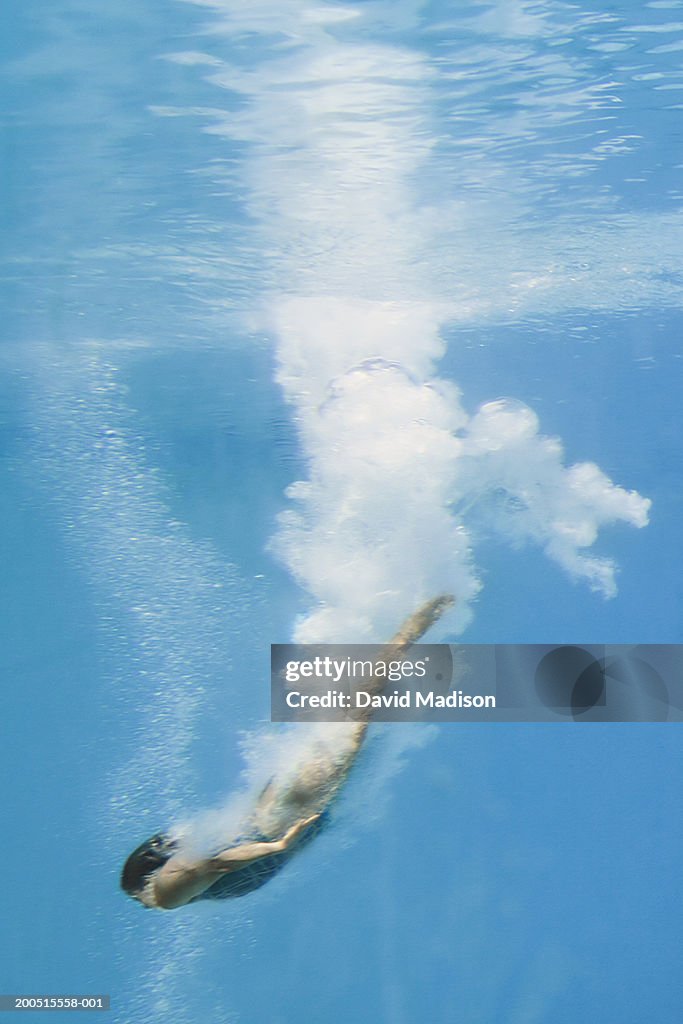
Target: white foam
{"x": 339, "y": 131}
{"x": 398, "y": 471}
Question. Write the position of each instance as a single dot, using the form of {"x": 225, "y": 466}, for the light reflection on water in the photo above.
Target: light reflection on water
{"x": 523, "y": 127}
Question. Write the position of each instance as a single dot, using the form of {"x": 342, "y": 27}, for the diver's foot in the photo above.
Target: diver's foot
{"x": 422, "y": 620}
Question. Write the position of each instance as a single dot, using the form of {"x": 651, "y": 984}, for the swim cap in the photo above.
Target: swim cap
{"x": 148, "y": 857}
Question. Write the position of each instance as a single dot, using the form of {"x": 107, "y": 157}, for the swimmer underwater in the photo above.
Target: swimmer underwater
{"x": 159, "y": 874}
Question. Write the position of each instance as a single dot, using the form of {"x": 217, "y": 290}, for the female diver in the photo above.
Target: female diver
{"x": 288, "y": 814}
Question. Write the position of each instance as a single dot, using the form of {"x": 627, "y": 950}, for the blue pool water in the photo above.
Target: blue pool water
{"x": 391, "y": 251}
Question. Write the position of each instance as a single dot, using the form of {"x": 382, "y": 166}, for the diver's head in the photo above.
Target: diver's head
{"x": 144, "y": 861}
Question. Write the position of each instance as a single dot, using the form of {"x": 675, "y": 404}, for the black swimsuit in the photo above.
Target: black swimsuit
{"x": 252, "y": 876}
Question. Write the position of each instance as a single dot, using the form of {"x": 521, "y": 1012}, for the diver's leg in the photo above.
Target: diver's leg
{"x": 417, "y": 625}
{"x": 319, "y": 780}
{"x": 410, "y": 632}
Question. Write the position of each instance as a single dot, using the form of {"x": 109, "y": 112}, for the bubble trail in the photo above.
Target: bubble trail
{"x": 340, "y": 133}
{"x": 337, "y": 132}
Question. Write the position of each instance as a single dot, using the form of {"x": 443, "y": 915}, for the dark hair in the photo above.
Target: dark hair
{"x": 149, "y": 856}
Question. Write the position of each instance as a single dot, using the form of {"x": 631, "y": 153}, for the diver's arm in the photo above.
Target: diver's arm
{"x": 237, "y": 856}
{"x": 179, "y": 881}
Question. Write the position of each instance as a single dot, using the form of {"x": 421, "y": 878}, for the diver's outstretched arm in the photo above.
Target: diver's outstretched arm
{"x": 236, "y": 857}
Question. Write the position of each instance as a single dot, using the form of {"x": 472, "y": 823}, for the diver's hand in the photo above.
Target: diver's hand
{"x": 298, "y": 828}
